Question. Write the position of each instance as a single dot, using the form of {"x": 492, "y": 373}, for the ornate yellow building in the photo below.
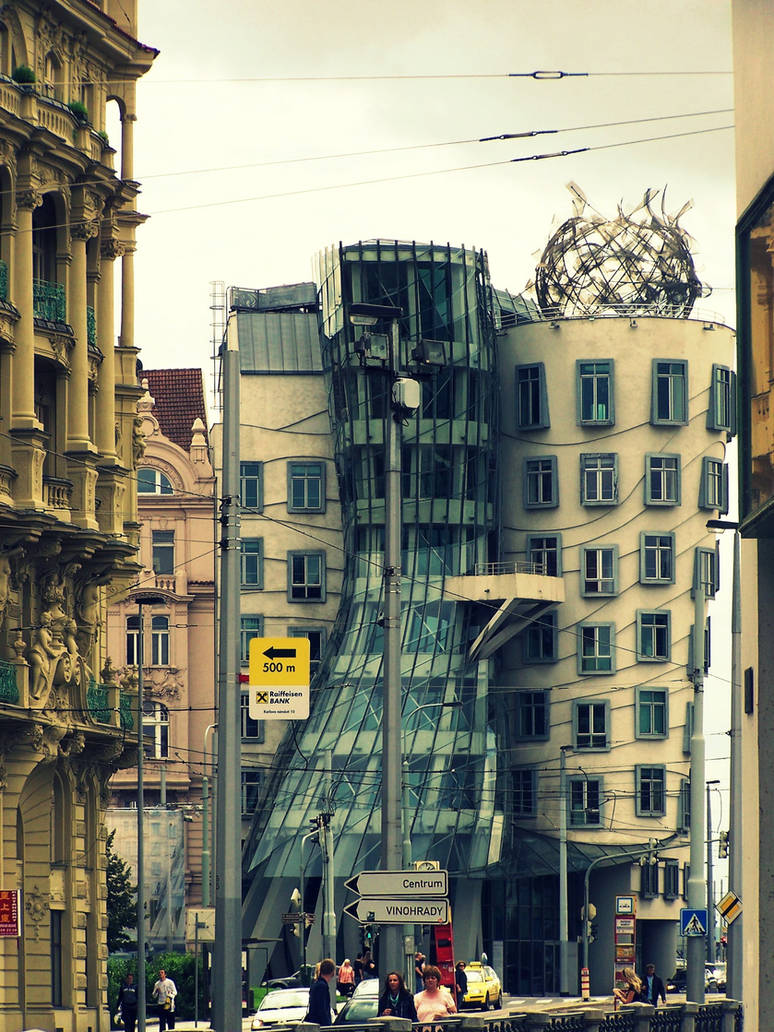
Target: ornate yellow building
{"x": 68, "y": 526}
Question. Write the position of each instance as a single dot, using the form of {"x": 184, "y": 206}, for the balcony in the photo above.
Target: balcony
{"x": 9, "y": 689}
{"x": 166, "y": 582}
{"x": 126, "y": 706}
{"x": 91, "y": 327}
{"x": 3, "y": 281}
{"x": 97, "y": 702}
{"x": 57, "y": 494}
{"x": 48, "y": 301}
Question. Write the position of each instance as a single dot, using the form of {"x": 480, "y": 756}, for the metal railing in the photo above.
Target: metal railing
{"x": 514, "y": 566}
{"x": 9, "y": 689}
{"x": 48, "y": 301}
{"x": 126, "y": 710}
{"x": 91, "y": 327}
{"x": 97, "y": 701}
{"x": 3, "y": 280}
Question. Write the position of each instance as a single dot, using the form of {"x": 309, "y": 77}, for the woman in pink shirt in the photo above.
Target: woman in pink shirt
{"x": 346, "y": 984}
{"x": 436, "y": 1001}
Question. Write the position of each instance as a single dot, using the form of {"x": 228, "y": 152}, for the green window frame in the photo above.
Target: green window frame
{"x": 662, "y": 479}
{"x": 721, "y": 410}
{"x": 713, "y": 488}
{"x": 163, "y": 551}
{"x": 317, "y": 637}
{"x": 684, "y": 812}
{"x": 654, "y": 635}
{"x": 591, "y": 725}
{"x": 532, "y": 397}
{"x": 546, "y": 550}
{"x": 539, "y": 639}
{"x": 599, "y": 571}
{"x": 306, "y": 486}
{"x": 251, "y": 730}
{"x": 531, "y": 716}
{"x": 540, "y": 482}
{"x": 707, "y": 647}
{"x": 707, "y": 566}
{"x": 688, "y": 728}
{"x": 651, "y": 719}
{"x": 584, "y": 801}
{"x": 595, "y": 392}
{"x": 251, "y": 564}
{"x": 596, "y": 648}
{"x": 250, "y": 626}
{"x": 669, "y": 392}
{"x": 657, "y": 558}
{"x": 524, "y": 780}
{"x": 650, "y": 790}
{"x": 671, "y": 879}
{"x": 251, "y": 486}
{"x": 649, "y": 879}
{"x": 153, "y": 481}
{"x": 306, "y": 576}
{"x": 599, "y": 478}
{"x": 250, "y": 790}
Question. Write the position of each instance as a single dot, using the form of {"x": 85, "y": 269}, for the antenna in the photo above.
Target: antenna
{"x": 217, "y": 329}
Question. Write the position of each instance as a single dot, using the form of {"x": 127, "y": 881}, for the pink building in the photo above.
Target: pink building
{"x": 176, "y": 496}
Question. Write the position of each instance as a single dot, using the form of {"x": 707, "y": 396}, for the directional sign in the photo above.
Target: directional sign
{"x": 693, "y": 922}
{"x": 730, "y": 907}
{"x": 400, "y": 883}
{"x": 378, "y": 910}
{"x": 279, "y": 679}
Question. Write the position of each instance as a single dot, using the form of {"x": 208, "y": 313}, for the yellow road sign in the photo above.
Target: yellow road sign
{"x": 279, "y": 662}
{"x": 730, "y": 907}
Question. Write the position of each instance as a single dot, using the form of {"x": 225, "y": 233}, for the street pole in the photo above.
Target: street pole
{"x": 140, "y": 834}
{"x": 205, "y": 822}
{"x": 697, "y": 890}
{"x": 710, "y": 900}
{"x": 228, "y": 883}
{"x": 735, "y": 931}
{"x": 408, "y": 929}
{"x": 326, "y": 843}
{"x": 564, "y": 946}
{"x": 302, "y": 879}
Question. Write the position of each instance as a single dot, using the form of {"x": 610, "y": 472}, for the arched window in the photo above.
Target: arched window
{"x": 160, "y": 641}
{"x": 156, "y": 726}
{"x": 132, "y": 640}
{"x": 58, "y": 821}
{"x": 52, "y": 77}
{"x": 153, "y": 481}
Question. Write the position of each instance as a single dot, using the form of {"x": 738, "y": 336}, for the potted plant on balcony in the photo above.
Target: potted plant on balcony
{"x": 79, "y": 111}
{"x": 23, "y": 74}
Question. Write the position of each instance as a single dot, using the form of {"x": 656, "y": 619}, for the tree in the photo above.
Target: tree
{"x": 121, "y": 907}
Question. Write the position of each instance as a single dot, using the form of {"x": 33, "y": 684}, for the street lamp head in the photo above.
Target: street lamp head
{"x": 718, "y": 526}
{"x": 147, "y": 598}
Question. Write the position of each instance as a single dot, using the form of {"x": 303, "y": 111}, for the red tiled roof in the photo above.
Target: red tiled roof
{"x": 179, "y": 397}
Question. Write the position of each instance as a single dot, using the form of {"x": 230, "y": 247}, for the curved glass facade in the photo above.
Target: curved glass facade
{"x": 449, "y": 492}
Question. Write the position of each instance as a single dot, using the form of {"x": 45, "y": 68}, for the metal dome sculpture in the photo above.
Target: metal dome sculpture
{"x": 639, "y": 263}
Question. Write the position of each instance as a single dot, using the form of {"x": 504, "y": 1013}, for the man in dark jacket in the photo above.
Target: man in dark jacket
{"x": 653, "y": 987}
{"x": 320, "y": 995}
{"x": 127, "y": 1003}
{"x": 460, "y": 983}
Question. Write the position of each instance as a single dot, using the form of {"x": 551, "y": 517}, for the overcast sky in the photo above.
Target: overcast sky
{"x": 197, "y": 110}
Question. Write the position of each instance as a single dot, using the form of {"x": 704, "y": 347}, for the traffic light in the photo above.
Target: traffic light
{"x": 723, "y": 845}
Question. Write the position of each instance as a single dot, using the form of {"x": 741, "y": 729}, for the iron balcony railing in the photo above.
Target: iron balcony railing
{"x": 9, "y": 689}
{"x": 48, "y": 301}
{"x": 514, "y": 566}
{"x": 126, "y": 709}
{"x": 3, "y": 280}
{"x": 91, "y": 327}
{"x": 97, "y": 701}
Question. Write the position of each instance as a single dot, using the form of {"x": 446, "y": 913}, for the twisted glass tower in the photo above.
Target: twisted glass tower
{"x": 449, "y": 493}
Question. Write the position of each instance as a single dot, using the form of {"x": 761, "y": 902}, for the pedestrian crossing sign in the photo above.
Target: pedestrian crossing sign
{"x": 693, "y": 922}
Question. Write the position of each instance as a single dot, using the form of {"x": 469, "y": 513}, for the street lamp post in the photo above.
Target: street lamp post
{"x": 205, "y": 819}
{"x": 710, "y": 893}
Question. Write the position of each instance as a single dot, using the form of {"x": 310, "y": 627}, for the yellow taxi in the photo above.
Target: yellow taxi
{"x": 484, "y": 989}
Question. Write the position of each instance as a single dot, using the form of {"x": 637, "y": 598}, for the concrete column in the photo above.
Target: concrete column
{"x": 127, "y": 298}
{"x": 106, "y": 398}
{"x": 78, "y": 402}
{"x": 24, "y": 357}
{"x": 127, "y": 144}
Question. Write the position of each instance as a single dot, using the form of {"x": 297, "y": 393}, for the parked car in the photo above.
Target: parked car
{"x": 484, "y": 989}
{"x": 714, "y": 979}
{"x": 362, "y": 1005}
{"x": 719, "y": 974}
{"x": 282, "y": 1007}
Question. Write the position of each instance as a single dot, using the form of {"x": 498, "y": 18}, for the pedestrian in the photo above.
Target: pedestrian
{"x": 346, "y": 978}
{"x": 653, "y": 987}
{"x": 435, "y": 1001}
{"x": 460, "y": 983}
{"x": 632, "y": 989}
{"x": 358, "y": 968}
{"x": 419, "y": 963}
{"x": 126, "y": 1005}
{"x": 396, "y": 1001}
{"x": 369, "y": 967}
{"x": 164, "y": 993}
{"x": 320, "y": 995}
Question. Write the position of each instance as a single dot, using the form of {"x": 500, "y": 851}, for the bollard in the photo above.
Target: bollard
{"x": 585, "y": 982}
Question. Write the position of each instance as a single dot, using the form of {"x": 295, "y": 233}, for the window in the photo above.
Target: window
{"x": 541, "y": 489}
{"x": 657, "y": 558}
{"x": 671, "y": 879}
{"x": 160, "y": 641}
{"x": 306, "y": 576}
{"x": 590, "y": 725}
{"x": 163, "y": 543}
{"x": 316, "y": 636}
{"x": 531, "y": 714}
{"x": 251, "y": 563}
{"x": 251, "y": 485}
{"x": 599, "y": 570}
{"x": 684, "y": 807}
{"x": 650, "y": 791}
{"x": 652, "y": 713}
{"x": 250, "y": 626}
{"x": 713, "y": 489}
{"x": 132, "y": 640}
{"x": 688, "y": 728}
{"x": 546, "y": 552}
{"x": 707, "y": 648}
{"x": 252, "y": 730}
{"x": 306, "y": 487}
{"x": 57, "y": 961}
{"x": 648, "y": 879}
{"x": 153, "y": 481}
{"x": 251, "y": 790}
{"x": 705, "y": 571}
{"x": 599, "y": 479}
{"x": 595, "y": 393}
{"x": 669, "y": 399}
{"x": 539, "y": 639}
{"x": 595, "y": 655}
{"x": 662, "y": 479}
{"x": 531, "y": 397}
{"x": 654, "y": 636}
{"x": 524, "y": 793}
{"x": 585, "y": 795}
{"x": 156, "y": 728}
{"x": 721, "y": 411}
